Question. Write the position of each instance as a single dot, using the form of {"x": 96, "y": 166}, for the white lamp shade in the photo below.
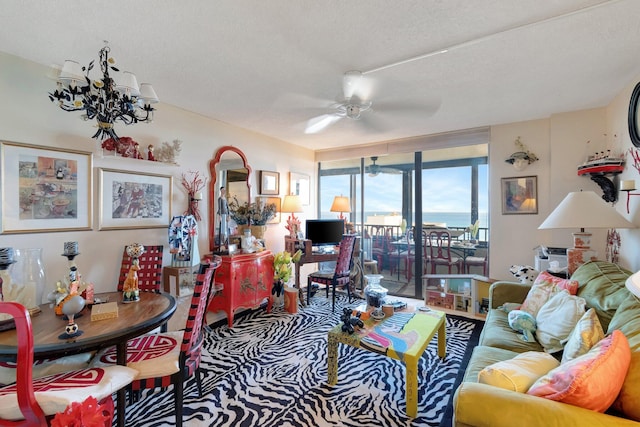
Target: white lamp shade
{"x": 148, "y": 94}
{"x": 585, "y": 209}
{"x": 127, "y": 83}
{"x": 633, "y": 284}
{"x": 72, "y": 72}
{"x": 340, "y": 204}
{"x": 292, "y": 204}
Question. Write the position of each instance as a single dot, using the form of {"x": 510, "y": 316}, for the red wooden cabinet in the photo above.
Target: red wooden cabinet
{"x": 246, "y": 280}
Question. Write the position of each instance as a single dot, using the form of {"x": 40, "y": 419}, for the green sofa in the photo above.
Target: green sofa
{"x": 602, "y": 285}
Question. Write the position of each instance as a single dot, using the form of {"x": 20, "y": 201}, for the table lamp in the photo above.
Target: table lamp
{"x": 583, "y": 209}
{"x": 340, "y": 204}
{"x": 292, "y": 205}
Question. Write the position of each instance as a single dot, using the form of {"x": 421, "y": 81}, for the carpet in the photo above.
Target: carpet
{"x": 270, "y": 370}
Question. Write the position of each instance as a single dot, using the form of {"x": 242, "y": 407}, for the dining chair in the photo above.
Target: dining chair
{"x": 341, "y": 276}
{"x": 150, "y": 273}
{"x": 399, "y": 256}
{"x": 381, "y": 244}
{"x": 34, "y": 402}
{"x": 440, "y": 251}
{"x": 478, "y": 259}
{"x": 168, "y": 358}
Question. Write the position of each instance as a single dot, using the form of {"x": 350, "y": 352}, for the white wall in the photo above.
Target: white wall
{"x": 27, "y": 115}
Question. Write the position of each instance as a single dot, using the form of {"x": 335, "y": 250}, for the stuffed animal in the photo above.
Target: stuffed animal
{"x": 349, "y": 322}
{"x": 525, "y": 273}
{"x": 523, "y": 322}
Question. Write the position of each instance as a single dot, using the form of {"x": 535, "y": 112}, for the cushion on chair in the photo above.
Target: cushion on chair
{"x": 42, "y": 368}
{"x": 152, "y": 355}
{"x": 54, "y": 393}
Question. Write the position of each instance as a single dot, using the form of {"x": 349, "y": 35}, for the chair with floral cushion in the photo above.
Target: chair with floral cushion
{"x": 168, "y": 358}
{"x": 341, "y": 276}
{"x": 33, "y": 402}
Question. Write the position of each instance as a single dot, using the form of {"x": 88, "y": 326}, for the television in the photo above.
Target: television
{"x": 324, "y": 232}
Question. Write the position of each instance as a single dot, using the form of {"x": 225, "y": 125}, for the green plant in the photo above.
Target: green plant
{"x": 473, "y": 229}
{"x": 283, "y": 265}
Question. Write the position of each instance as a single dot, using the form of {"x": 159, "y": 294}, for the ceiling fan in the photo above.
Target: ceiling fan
{"x": 356, "y": 104}
{"x": 374, "y": 169}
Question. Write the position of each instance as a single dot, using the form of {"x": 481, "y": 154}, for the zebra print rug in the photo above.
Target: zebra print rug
{"x": 271, "y": 370}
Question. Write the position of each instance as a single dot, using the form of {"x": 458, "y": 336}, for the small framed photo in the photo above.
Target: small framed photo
{"x": 45, "y": 189}
{"x": 520, "y": 195}
{"x": 269, "y": 183}
{"x": 300, "y": 185}
{"x": 263, "y": 201}
{"x": 134, "y": 200}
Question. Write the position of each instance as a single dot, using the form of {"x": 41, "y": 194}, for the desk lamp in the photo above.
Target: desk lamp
{"x": 583, "y": 209}
{"x": 341, "y": 204}
{"x": 292, "y": 205}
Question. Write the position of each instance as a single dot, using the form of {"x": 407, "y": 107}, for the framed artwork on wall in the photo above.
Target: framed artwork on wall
{"x": 45, "y": 189}
{"x": 134, "y": 200}
{"x": 520, "y": 195}
{"x": 269, "y": 183}
{"x": 300, "y": 185}
{"x": 263, "y": 201}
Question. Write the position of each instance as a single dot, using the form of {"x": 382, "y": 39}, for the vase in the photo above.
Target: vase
{"x": 28, "y": 274}
{"x": 277, "y": 293}
{"x": 258, "y": 231}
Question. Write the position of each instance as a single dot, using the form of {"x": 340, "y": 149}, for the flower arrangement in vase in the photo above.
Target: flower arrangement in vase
{"x": 283, "y": 269}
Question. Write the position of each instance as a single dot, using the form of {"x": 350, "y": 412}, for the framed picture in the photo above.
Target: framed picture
{"x": 300, "y": 185}
{"x": 134, "y": 200}
{"x": 268, "y": 200}
{"x": 45, "y": 189}
{"x": 269, "y": 183}
{"x": 520, "y": 195}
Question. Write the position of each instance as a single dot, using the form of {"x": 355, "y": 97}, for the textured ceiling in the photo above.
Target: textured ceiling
{"x": 264, "y": 65}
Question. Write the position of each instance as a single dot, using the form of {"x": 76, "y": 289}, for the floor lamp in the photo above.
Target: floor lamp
{"x": 583, "y": 209}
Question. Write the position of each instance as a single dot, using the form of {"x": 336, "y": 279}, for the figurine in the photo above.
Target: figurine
{"x": 130, "y": 288}
{"x": 349, "y": 322}
{"x": 150, "y": 155}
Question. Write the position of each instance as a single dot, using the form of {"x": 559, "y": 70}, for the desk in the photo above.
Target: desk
{"x": 133, "y": 320}
{"x": 403, "y": 336}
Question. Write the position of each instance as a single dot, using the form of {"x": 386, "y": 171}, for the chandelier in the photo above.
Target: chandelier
{"x": 107, "y": 99}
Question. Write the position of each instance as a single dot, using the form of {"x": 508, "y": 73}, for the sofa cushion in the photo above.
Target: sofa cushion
{"x": 497, "y": 333}
{"x": 519, "y": 373}
{"x": 601, "y": 284}
{"x": 484, "y": 356}
{"x": 544, "y": 287}
{"x": 587, "y": 333}
{"x": 627, "y": 320}
{"x": 591, "y": 381}
{"x": 557, "y": 318}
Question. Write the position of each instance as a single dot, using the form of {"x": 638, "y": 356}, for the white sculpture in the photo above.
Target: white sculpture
{"x": 168, "y": 153}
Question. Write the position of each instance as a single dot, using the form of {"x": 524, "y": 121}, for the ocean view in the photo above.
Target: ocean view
{"x": 451, "y": 219}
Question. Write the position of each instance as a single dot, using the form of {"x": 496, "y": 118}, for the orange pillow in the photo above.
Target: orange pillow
{"x": 545, "y": 286}
{"x": 591, "y": 381}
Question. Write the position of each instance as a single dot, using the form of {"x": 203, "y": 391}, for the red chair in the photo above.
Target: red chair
{"x": 440, "y": 251}
{"x": 33, "y": 403}
{"x": 381, "y": 244}
{"x": 168, "y": 358}
{"x": 341, "y": 275}
{"x": 150, "y": 273}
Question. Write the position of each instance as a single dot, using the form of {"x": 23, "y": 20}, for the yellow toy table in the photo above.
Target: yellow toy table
{"x": 403, "y": 336}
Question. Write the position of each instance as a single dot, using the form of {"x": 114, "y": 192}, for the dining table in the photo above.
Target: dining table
{"x": 133, "y": 319}
{"x": 462, "y": 248}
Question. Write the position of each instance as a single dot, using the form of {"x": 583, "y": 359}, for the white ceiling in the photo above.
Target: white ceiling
{"x": 261, "y": 65}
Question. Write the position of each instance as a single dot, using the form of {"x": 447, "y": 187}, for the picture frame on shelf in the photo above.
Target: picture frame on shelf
{"x": 519, "y": 195}
{"x": 134, "y": 199}
{"x": 300, "y": 185}
{"x": 269, "y": 183}
{"x": 268, "y": 200}
{"x": 45, "y": 189}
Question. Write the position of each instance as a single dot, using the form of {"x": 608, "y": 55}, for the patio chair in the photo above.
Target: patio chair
{"x": 440, "y": 251}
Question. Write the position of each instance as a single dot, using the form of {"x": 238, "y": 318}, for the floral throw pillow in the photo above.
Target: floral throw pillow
{"x": 544, "y": 287}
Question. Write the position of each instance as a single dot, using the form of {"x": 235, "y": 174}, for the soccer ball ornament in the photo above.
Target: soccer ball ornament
{"x": 71, "y": 329}
{"x": 135, "y": 250}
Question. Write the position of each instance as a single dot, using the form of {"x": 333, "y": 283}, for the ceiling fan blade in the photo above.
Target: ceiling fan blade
{"x": 374, "y": 122}
{"x": 358, "y": 85}
{"x": 319, "y": 123}
{"x": 428, "y": 108}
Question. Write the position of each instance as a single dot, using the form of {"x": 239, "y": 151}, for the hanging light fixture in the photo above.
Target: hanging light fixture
{"x": 111, "y": 98}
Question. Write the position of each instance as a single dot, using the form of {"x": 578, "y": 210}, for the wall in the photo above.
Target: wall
{"x": 27, "y": 115}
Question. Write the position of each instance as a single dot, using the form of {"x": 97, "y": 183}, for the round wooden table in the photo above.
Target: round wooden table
{"x": 134, "y": 319}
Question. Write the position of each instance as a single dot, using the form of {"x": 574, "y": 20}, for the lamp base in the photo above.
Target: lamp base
{"x": 578, "y": 256}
